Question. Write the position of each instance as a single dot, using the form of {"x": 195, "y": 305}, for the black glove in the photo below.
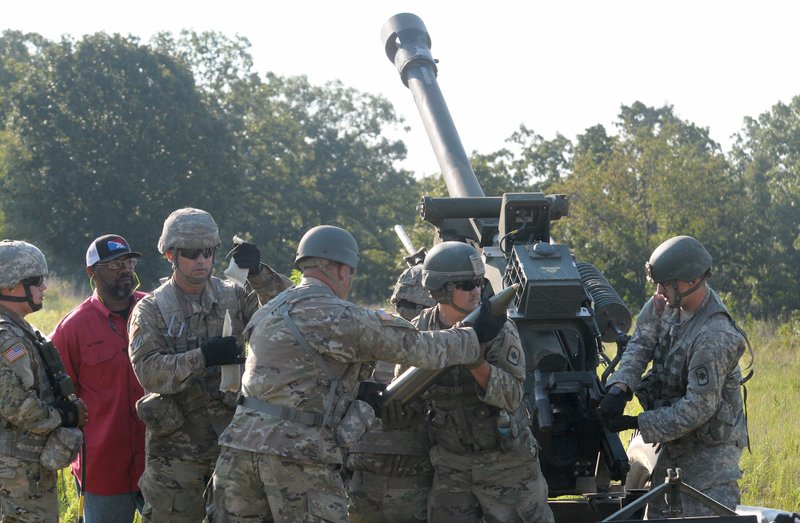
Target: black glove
{"x": 247, "y": 256}
{"x": 488, "y": 326}
{"x": 72, "y": 412}
{"x": 392, "y": 414}
{"x": 222, "y": 351}
{"x": 395, "y": 416}
{"x": 613, "y": 404}
{"x": 620, "y": 423}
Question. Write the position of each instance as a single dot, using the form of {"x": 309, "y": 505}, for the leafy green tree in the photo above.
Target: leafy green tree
{"x": 111, "y": 137}
{"x": 766, "y": 157}
{"x": 659, "y": 177}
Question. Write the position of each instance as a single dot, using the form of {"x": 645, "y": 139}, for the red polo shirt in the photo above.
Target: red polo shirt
{"x": 93, "y": 342}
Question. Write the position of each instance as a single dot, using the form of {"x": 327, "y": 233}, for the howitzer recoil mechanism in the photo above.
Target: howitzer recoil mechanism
{"x": 563, "y": 309}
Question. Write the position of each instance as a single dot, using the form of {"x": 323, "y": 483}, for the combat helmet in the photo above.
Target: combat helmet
{"x": 409, "y": 296}
{"x": 328, "y": 242}
{"x": 679, "y": 258}
{"x": 447, "y": 263}
{"x": 188, "y": 228}
{"x": 20, "y": 260}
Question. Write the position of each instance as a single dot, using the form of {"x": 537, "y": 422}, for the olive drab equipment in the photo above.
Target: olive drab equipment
{"x": 679, "y": 258}
{"x": 564, "y": 310}
{"x": 188, "y": 228}
{"x": 447, "y": 263}
{"x": 328, "y": 242}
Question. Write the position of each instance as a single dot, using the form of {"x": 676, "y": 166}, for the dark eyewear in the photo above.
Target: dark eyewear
{"x": 116, "y": 265}
{"x": 193, "y": 254}
{"x": 469, "y": 284}
{"x": 33, "y": 281}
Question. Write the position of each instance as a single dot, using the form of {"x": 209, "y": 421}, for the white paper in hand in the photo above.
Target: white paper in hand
{"x": 236, "y": 273}
{"x": 231, "y": 379}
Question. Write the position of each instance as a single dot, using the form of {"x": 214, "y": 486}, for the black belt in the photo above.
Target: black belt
{"x": 279, "y": 411}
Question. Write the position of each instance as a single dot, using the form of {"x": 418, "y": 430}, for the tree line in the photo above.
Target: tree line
{"x": 108, "y": 134}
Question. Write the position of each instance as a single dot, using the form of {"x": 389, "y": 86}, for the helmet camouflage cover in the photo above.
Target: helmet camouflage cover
{"x": 409, "y": 296}
{"x": 20, "y": 260}
{"x": 188, "y": 228}
{"x": 679, "y": 258}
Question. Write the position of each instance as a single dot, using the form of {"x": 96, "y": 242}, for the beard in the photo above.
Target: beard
{"x": 119, "y": 291}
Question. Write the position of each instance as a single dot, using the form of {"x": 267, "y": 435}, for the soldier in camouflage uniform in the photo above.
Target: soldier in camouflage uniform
{"x": 392, "y": 473}
{"x": 485, "y": 457}
{"x": 176, "y": 348}
{"x": 32, "y": 421}
{"x": 309, "y": 348}
{"x": 409, "y": 296}
{"x": 691, "y": 397}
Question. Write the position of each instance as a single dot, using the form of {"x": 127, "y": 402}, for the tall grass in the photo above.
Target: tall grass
{"x": 771, "y": 467}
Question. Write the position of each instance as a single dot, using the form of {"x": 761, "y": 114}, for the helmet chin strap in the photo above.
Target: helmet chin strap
{"x": 687, "y": 292}
{"x": 27, "y": 298}
{"x": 449, "y": 299}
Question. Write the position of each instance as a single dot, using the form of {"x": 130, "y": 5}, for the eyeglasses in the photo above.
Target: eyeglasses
{"x": 33, "y": 281}
{"x": 116, "y": 265}
{"x": 468, "y": 285}
{"x": 192, "y": 254}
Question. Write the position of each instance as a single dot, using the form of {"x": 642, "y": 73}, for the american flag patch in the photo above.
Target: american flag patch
{"x": 383, "y": 315}
{"x": 14, "y": 353}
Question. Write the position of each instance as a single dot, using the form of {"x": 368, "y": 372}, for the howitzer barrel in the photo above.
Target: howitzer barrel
{"x": 408, "y": 46}
{"x": 413, "y": 382}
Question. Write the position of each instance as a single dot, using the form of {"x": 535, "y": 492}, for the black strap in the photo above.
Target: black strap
{"x": 279, "y": 411}
{"x": 318, "y": 359}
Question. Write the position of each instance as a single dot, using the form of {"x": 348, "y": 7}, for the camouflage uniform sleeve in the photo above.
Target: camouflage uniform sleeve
{"x": 640, "y": 348}
{"x": 156, "y": 366}
{"x": 714, "y": 355}
{"x": 267, "y": 284}
{"x": 379, "y": 335}
{"x": 20, "y": 403}
{"x": 505, "y": 387}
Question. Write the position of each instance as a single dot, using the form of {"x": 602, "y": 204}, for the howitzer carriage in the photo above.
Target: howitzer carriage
{"x": 564, "y": 309}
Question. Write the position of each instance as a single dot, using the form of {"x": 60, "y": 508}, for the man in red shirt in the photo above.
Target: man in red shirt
{"x": 93, "y": 342}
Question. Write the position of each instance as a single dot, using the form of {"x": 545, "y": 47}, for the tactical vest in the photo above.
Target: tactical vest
{"x": 378, "y": 451}
{"x": 184, "y": 331}
{"x": 14, "y": 441}
{"x": 665, "y": 387}
{"x": 460, "y": 421}
{"x": 336, "y": 400}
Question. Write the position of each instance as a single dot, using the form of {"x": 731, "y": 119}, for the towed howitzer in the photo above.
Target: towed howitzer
{"x": 413, "y": 382}
{"x": 563, "y": 311}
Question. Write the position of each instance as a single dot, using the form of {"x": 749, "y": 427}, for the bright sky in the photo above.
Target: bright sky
{"x": 555, "y": 66}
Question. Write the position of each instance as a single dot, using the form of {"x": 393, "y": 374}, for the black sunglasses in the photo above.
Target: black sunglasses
{"x": 468, "y": 285}
{"x": 192, "y": 254}
{"x": 33, "y": 281}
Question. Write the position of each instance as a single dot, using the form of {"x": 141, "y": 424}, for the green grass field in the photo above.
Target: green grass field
{"x": 771, "y": 468}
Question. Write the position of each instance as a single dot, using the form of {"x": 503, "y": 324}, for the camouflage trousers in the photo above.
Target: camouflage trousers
{"x": 714, "y": 471}
{"x": 375, "y": 498}
{"x": 173, "y": 489}
{"x": 254, "y": 487}
{"x": 27, "y": 492}
{"x": 489, "y": 486}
